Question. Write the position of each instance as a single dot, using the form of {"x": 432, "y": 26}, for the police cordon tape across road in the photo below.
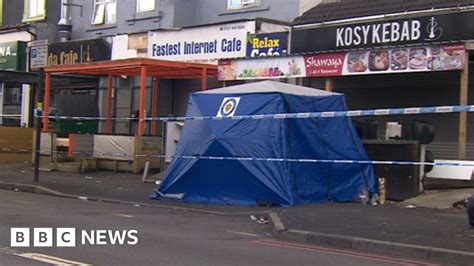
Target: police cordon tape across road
{"x": 294, "y": 160}
{"x": 331, "y": 114}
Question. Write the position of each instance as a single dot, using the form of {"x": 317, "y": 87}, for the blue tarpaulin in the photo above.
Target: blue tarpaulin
{"x": 253, "y": 182}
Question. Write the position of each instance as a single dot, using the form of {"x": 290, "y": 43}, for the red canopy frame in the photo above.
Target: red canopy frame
{"x": 143, "y": 67}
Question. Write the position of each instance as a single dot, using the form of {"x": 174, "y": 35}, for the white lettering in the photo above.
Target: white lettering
{"x": 405, "y": 32}
{"x": 101, "y": 236}
{"x": 375, "y": 33}
{"x": 357, "y": 39}
{"x": 366, "y": 30}
{"x": 117, "y": 236}
{"x": 132, "y": 237}
{"x": 385, "y": 32}
{"x": 395, "y": 32}
{"x": 348, "y": 36}
{"x": 339, "y": 40}
{"x": 415, "y": 30}
{"x": 88, "y": 237}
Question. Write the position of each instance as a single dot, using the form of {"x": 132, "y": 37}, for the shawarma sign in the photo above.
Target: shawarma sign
{"x": 364, "y": 62}
{"x": 442, "y": 28}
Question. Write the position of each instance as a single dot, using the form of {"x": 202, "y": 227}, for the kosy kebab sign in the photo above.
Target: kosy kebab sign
{"x": 204, "y": 43}
{"x": 435, "y": 28}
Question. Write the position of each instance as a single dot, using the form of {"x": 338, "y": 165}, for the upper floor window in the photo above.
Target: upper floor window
{"x": 34, "y": 10}
{"x": 145, "y": 5}
{"x": 236, "y": 4}
{"x": 105, "y": 11}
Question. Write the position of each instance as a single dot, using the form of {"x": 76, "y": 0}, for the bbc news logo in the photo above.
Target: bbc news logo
{"x": 66, "y": 237}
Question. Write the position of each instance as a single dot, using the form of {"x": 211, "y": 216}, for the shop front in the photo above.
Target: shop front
{"x": 422, "y": 58}
{"x": 400, "y": 61}
{"x": 14, "y": 95}
{"x": 76, "y": 99}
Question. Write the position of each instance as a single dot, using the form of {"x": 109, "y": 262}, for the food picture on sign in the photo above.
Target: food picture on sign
{"x": 436, "y": 61}
{"x": 418, "y": 58}
{"x": 399, "y": 59}
{"x": 357, "y": 62}
{"x": 226, "y": 70}
{"x": 379, "y": 60}
{"x": 454, "y": 58}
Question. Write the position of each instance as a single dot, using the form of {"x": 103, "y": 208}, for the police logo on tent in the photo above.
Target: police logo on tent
{"x": 228, "y": 107}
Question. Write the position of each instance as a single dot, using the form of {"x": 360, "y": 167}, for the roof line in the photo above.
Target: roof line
{"x": 385, "y": 16}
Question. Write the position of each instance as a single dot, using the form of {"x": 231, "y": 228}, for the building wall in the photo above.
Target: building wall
{"x": 128, "y": 20}
{"x": 46, "y": 29}
{"x": 211, "y": 11}
{"x": 174, "y": 14}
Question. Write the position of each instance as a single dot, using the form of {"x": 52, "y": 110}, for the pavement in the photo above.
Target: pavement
{"x": 439, "y": 199}
{"x": 408, "y": 230}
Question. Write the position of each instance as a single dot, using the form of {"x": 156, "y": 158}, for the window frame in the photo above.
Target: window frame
{"x": 38, "y": 17}
{"x": 241, "y": 5}
{"x": 104, "y": 12}
{"x": 137, "y": 2}
{"x": 1, "y": 13}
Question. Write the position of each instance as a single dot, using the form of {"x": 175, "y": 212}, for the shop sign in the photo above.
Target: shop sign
{"x": 13, "y": 56}
{"x": 200, "y": 44}
{"x": 77, "y": 52}
{"x": 267, "y": 44}
{"x": 435, "y": 28}
{"x": 399, "y": 60}
{"x": 262, "y": 68}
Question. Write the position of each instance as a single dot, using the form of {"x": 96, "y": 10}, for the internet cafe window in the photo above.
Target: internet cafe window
{"x": 105, "y": 12}
{"x": 34, "y": 10}
{"x": 145, "y": 5}
{"x": 238, "y": 4}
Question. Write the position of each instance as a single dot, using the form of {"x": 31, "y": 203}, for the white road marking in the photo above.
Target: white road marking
{"x": 51, "y": 259}
{"x": 124, "y": 215}
{"x": 23, "y": 201}
{"x": 43, "y": 258}
{"x": 244, "y": 233}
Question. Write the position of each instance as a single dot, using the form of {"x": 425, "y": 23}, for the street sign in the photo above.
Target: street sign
{"x": 39, "y": 54}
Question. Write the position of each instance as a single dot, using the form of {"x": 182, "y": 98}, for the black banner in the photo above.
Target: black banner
{"x": 417, "y": 30}
{"x": 77, "y": 52}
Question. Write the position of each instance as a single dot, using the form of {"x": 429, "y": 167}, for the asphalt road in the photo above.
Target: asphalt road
{"x": 165, "y": 237}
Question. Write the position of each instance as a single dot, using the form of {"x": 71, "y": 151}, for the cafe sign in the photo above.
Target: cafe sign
{"x": 267, "y": 44}
{"x": 13, "y": 56}
{"x": 388, "y": 33}
{"x": 77, "y": 52}
{"x": 202, "y": 44}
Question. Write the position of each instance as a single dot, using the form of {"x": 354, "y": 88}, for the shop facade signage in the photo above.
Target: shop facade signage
{"x": 267, "y": 44}
{"x": 13, "y": 55}
{"x": 200, "y": 44}
{"x": 398, "y": 60}
{"x": 77, "y": 52}
{"x": 262, "y": 68}
{"x": 435, "y": 28}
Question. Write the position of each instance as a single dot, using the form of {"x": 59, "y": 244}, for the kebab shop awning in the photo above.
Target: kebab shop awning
{"x": 142, "y": 67}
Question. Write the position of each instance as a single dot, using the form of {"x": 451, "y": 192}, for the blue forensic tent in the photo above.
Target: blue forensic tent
{"x": 241, "y": 181}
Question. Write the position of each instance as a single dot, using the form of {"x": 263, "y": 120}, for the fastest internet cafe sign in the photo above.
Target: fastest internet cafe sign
{"x": 198, "y": 44}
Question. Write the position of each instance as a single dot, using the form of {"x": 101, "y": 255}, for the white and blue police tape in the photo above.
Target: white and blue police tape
{"x": 250, "y": 159}
{"x": 306, "y": 115}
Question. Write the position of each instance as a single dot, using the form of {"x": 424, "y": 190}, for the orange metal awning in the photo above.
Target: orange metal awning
{"x": 143, "y": 67}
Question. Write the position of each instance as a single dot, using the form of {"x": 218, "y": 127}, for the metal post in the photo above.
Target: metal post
{"x": 39, "y": 108}
{"x": 156, "y": 106}
{"x": 204, "y": 79}
{"x": 141, "y": 111}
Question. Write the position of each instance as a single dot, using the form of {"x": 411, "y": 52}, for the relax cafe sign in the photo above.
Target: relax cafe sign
{"x": 414, "y": 30}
